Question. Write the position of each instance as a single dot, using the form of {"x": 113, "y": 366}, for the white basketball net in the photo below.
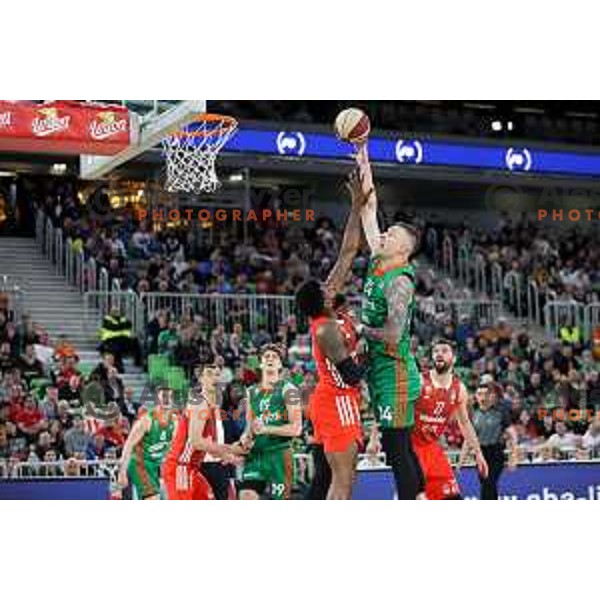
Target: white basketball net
{"x": 191, "y": 154}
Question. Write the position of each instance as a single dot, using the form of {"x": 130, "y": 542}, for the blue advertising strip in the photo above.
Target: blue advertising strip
{"x": 552, "y": 481}
{"x": 432, "y": 153}
{"x": 77, "y": 488}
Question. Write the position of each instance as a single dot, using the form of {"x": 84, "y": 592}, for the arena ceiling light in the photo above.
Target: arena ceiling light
{"x": 498, "y": 125}
{"x": 58, "y": 169}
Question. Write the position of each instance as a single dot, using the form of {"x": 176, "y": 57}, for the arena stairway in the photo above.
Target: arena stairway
{"x": 536, "y": 333}
{"x": 56, "y": 305}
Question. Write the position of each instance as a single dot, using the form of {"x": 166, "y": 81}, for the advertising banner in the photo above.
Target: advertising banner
{"x": 550, "y": 481}
{"x": 63, "y": 127}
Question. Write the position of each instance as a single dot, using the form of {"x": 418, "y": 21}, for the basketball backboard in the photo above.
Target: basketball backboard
{"x": 151, "y": 121}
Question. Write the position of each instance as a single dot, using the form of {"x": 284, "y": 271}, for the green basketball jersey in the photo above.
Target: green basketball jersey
{"x": 393, "y": 377}
{"x": 157, "y": 440}
{"x": 269, "y": 407}
{"x": 374, "y": 310}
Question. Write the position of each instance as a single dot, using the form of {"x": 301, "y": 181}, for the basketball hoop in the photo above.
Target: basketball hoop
{"x": 191, "y": 153}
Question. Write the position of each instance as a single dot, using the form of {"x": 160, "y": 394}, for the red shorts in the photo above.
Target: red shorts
{"x": 440, "y": 482}
{"x": 336, "y": 418}
{"x": 184, "y": 482}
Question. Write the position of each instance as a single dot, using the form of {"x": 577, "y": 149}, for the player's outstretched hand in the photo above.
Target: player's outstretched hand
{"x": 257, "y": 427}
{"x": 482, "y": 465}
{"x": 122, "y": 479}
{"x": 246, "y": 442}
{"x": 231, "y": 459}
{"x": 242, "y": 447}
{"x": 354, "y": 183}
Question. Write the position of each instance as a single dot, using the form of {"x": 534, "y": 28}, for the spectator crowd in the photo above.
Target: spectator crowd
{"x": 42, "y": 417}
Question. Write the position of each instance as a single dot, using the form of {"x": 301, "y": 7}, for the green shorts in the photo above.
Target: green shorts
{"x": 394, "y": 387}
{"x": 273, "y": 468}
{"x": 144, "y": 477}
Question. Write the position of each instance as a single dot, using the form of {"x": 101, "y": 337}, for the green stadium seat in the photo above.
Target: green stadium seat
{"x": 85, "y": 368}
{"x": 176, "y": 378}
{"x": 158, "y": 366}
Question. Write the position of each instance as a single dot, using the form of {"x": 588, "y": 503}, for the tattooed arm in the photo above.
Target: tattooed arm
{"x": 369, "y": 210}
{"x": 352, "y": 237}
{"x": 398, "y": 296}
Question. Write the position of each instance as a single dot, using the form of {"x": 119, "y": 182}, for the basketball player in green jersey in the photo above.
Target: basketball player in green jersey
{"x": 387, "y": 312}
{"x": 146, "y": 446}
{"x": 274, "y": 418}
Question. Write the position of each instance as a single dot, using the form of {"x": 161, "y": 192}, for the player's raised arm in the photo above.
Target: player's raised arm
{"x": 136, "y": 435}
{"x": 369, "y": 210}
{"x": 468, "y": 432}
{"x": 332, "y": 345}
{"x": 352, "y": 237}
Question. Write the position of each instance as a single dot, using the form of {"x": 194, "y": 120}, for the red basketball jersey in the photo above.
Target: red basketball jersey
{"x": 327, "y": 372}
{"x": 182, "y": 452}
{"x": 435, "y": 407}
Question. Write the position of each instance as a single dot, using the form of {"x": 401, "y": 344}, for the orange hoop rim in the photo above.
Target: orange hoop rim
{"x": 228, "y": 124}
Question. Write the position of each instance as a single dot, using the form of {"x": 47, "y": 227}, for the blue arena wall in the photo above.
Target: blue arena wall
{"x": 552, "y": 481}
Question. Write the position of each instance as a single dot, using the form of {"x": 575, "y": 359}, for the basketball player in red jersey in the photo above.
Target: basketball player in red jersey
{"x": 199, "y": 432}
{"x": 443, "y": 397}
{"x": 334, "y": 404}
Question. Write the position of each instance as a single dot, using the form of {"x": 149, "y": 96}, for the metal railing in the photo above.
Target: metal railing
{"x": 533, "y": 303}
{"x": 252, "y": 311}
{"x": 559, "y": 313}
{"x": 59, "y": 254}
{"x": 61, "y": 468}
{"x": 49, "y": 240}
{"x": 431, "y": 242}
{"x": 40, "y": 223}
{"x": 479, "y": 311}
{"x": 303, "y": 464}
{"x": 512, "y": 292}
{"x": 463, "y": 265}
{"x": 11, "y": 297}
{"x": 591, "y": 319}
{"x": 497, "y": 278}
{"x": 448, "y": 265}
{"x": 97, "y": 304}
{"x": 480, "y": 284}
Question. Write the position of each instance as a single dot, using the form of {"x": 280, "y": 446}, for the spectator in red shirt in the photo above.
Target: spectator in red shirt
{"x": 68, "y": 380}
{"x": 115, "y": 432}
{"x": 29, "y": 419}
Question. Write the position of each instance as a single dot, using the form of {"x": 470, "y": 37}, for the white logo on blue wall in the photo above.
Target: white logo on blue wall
{"x": 291, "y": 143}
{"x": 409, "y": 152}
{"x": 518, "y": 159}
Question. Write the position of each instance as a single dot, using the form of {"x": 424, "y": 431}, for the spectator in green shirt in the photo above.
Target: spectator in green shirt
{"x": 168, "y": 339}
